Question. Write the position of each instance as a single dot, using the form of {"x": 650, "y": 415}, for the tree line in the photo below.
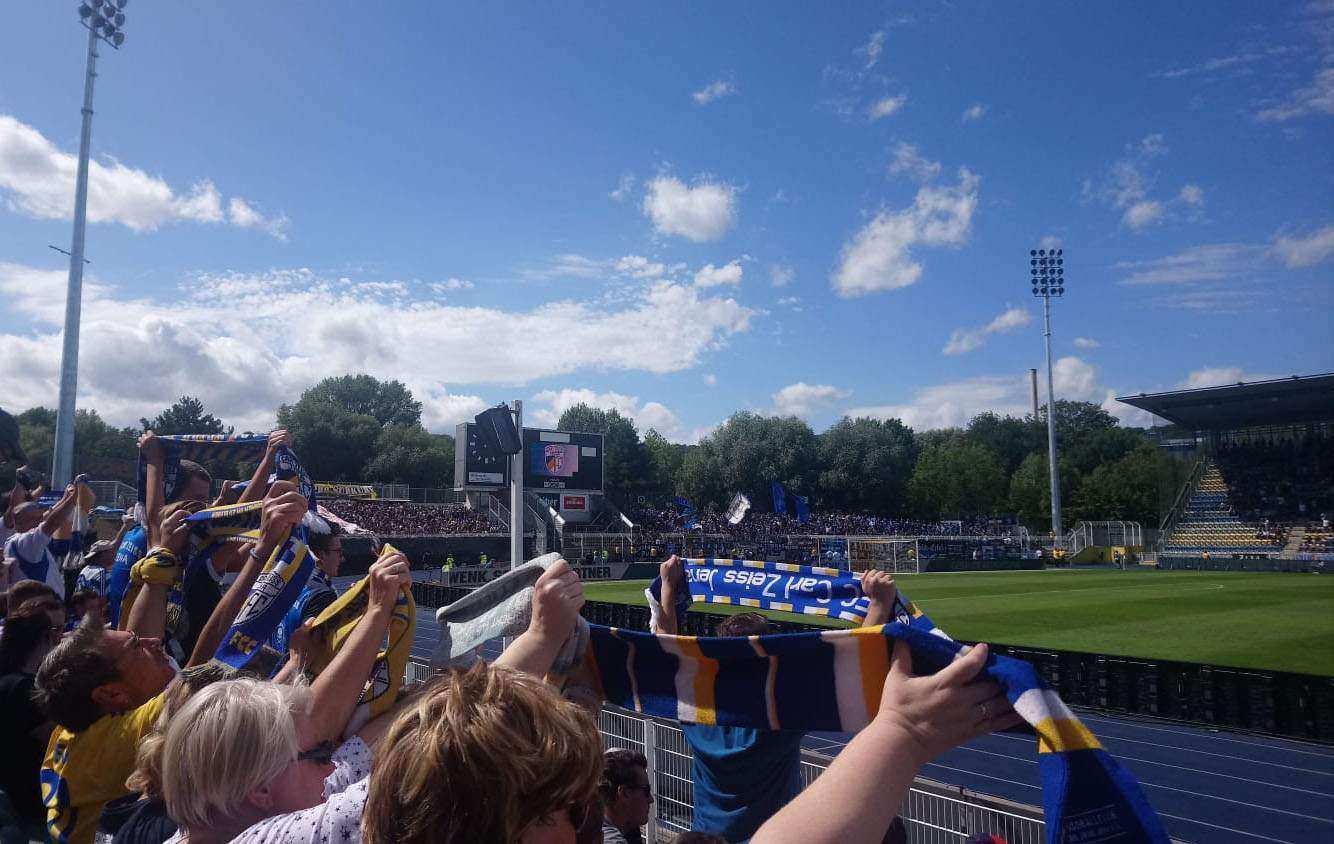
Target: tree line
{"x": 357, "y": 428}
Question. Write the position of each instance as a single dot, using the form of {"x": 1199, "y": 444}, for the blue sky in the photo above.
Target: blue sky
{"x": 677, "y": 211}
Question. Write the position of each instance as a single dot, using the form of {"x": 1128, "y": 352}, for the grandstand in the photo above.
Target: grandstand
{"x": 1263, "y": 456}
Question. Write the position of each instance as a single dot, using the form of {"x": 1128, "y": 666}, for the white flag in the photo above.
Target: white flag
{"x": 736, "y": 511}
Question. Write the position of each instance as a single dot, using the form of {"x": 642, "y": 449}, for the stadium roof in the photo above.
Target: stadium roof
{"x": 1283, "y": 401}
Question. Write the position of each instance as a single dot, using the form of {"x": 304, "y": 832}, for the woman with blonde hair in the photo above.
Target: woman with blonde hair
{"x": 487, "y": 755}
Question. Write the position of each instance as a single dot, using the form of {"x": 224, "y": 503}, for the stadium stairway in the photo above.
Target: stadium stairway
{"x": 1210, "y": 524}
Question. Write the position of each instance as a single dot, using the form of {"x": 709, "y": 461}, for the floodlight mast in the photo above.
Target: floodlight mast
{"x": 103, "y": 20}
{"x": 1047, "y": 277}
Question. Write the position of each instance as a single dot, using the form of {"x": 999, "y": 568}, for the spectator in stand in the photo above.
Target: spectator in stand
{"x": 319, "y": 592}
{"x": 96, "y": 573}
{"x": 104, "y": 689}
{"x": 402, "y": 518}
{"x": 627, "y": 796}
{"x": 29, "y": 635}
{"x": 741, "y": 775}
{"x": 28, "y": 551}
{"x": 83, "y": 602}
{"x": 193, "y": 483}
{"x": 437, "y": 777}
{"x": 26, "y": 590}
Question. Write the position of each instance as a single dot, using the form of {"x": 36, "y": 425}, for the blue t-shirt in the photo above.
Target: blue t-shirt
{"x": 742, "y": 777}
{"x": 133, "y": 548}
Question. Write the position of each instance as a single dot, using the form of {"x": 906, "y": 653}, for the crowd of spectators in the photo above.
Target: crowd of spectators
{"x": 402, "y": 518}
{"x": 137, "y": 723}
{"x": 760, "y": 526}
{"x": 1283, "y": 480}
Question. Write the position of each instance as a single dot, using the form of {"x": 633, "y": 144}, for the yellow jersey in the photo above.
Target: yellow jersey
{"x": 84, "y": 771}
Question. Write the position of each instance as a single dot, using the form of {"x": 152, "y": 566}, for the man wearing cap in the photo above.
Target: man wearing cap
{"x": 95, "y": 576}
{"x": 28, "y": 552}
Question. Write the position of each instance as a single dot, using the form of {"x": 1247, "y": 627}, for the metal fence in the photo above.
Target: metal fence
{"x": 933, "y": 813}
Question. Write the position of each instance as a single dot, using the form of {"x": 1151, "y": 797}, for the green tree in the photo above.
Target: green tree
{"x": 746, "y": 454}
{"x": 334, "y": 443}
{"x": 955, "y": 479}
{"x": 1009, "y": 438}
{"x": 186, "y": 416}
{"x": 410, "y": 454}
{"x": 388, "y": 402}
{"x": 665, "y": 460}
{"x": 1122, "y": 489}
{"x": 1030, "y": 490}
{"x": 103, "y": 451}
{"x": 864, "y": 466}
{"x": 625, "y": 462}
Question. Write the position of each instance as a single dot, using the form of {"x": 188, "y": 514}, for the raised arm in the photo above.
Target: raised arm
{"x": 283, "y": 508}
{"x": 672, "y": 572}
{"x": 148, "y": 615}
{"x": 150, "y": 449}
{"x": 63, "y": 509}
{"x": 919, "y": 718}
{"x": 338, "y": 688}
{"x": 879, "y": 587}
{"x": 255, "y": 489}
{"x": 558, "y": 596}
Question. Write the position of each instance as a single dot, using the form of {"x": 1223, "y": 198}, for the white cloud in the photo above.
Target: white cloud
{"x": 1086, "y": 343}
{"x": 37, "y": 180}
{"x": 793, "y": 302}
{"x": 246, "y": 343}
{"x": 450, "y": 285}
{"x": 443, "y": 410}
{"x": 780, "y": 275}
{"x": 802, "y": 399}
{"x": 624, "y": 187}
{"x": 908, "y": 160}
{"x": 1315, "y": 98}
{"x": 1049, "y": 241}
{"x": 1307, "y": 251}
{"x": 886, "y": 106}
{"x": 1219, "y": 376}
{"x": 1211, "y": 301}
{"x": 1142, "y": 214}
{"x": 964, "y": 340}
{"x": 1207, "y": 263}
{"x": 710, "y": 379}
{"x": 872, "y": 50}
{"x": 1191, "y": 195}
{"x": 974, "y": 112}
{"x": 954, "y": 403}
{"x": 879, "y": 257}
{"x": 713, "y": 91}
{"x": 548, "y": 406}
{"x": 703, "y": 212}
{"x": 1153, "y": 145}
{"x": 637, "y": 266}
{"x": 711, "y": 276}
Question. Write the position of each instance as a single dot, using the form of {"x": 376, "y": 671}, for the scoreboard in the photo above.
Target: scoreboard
{"x": 554, "y": 461}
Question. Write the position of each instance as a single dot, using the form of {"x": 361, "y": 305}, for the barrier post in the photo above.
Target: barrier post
{"x": 651, "y": 754}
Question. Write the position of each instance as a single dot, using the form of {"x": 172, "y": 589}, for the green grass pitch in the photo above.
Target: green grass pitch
{"x": 1281, "y": 622}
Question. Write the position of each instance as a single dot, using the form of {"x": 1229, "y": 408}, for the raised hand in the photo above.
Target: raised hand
{"x": 558, "y": 596}
{"x": 282, "y": 510}
{"x": 388, "y": 576}
{"x": 933, "y": 714}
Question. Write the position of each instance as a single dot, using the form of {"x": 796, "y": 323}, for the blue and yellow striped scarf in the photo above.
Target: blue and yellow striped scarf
{"x": 832, "y": 680}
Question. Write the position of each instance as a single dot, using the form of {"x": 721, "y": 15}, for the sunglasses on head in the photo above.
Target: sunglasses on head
{"x": 323, "y": 753}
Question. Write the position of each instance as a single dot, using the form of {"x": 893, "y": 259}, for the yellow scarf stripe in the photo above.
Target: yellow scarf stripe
{"x": 159, "y": 566}
{"x": 873, "y": 657}
{"x": 1061, "y": 735}
{"x": 706, "y": 674}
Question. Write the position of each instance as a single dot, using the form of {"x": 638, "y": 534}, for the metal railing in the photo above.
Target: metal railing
{"x": 113, "y": 493}
{"x": 1169, "y": 521}
{"x": 932, "y": 812}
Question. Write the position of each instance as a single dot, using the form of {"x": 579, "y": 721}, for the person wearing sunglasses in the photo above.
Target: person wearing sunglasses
{"x": 627, "y": 796}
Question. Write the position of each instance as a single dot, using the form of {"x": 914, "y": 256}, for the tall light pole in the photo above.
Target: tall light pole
{"x": 516, "y": 493}
{"x": 104, "y": 20}
{"x": 1047, "y": 276}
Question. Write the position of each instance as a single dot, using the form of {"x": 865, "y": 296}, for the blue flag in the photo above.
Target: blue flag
{"x": 688, "y": 516}
{"x": 780, "y": 498}
{"x": 802, "y": 509}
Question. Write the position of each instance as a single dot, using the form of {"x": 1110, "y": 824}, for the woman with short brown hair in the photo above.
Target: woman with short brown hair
{"x": 484, "y": 755}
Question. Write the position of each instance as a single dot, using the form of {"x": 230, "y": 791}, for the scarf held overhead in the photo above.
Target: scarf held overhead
{"x": 832, "y": 681}
{"x": 338, "y": 621}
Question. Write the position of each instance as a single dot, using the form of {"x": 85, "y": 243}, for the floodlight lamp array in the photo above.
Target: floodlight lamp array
{"x": 1046, "y": 269}
{"x": 105, "y": 18}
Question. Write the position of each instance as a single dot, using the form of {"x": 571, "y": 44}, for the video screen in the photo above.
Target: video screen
{"x": 554, "y": 460}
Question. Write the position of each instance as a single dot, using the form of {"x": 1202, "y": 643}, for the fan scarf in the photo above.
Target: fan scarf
{"x": 832, "y": 680}
{"x": 338, "y": 621}
{"x": 200, "y": 448}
